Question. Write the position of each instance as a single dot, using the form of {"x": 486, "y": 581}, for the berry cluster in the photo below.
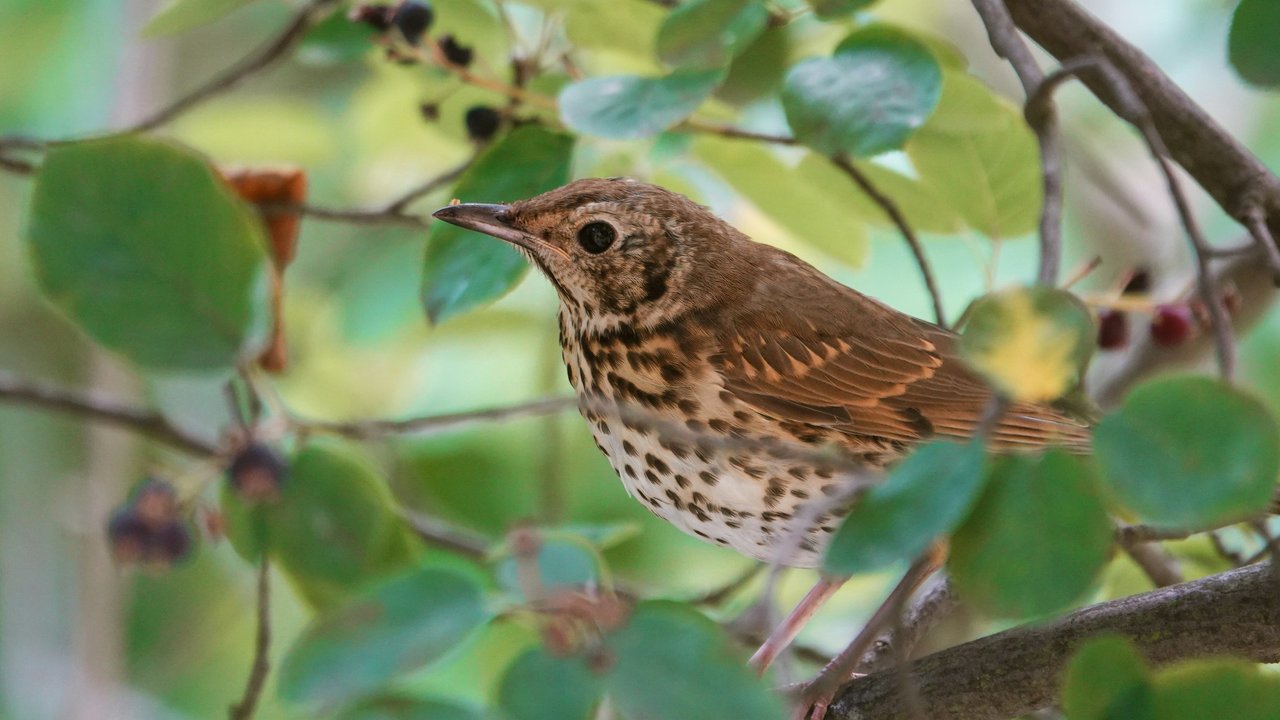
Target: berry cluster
{"x": 152, "y": 528}
{"x": 1171, "y": 324}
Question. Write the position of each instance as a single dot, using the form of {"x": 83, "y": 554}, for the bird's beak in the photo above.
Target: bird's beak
{"x": 488, "y": 219}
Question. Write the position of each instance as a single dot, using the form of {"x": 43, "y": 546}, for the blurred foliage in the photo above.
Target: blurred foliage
{"x": 129, "y": 266}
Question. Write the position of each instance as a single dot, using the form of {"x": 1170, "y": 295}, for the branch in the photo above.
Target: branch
{"x": 435, "y": 424}
{"x": 244, "y": 709}
{"x": 1043, "y": 120}
{"x": 93, "y": 407}
{"x": 890, "y": 208}
{"x": 1020, "y": 670}
{"x": 1232, "y": 175}
{"x": 437, "y": 532}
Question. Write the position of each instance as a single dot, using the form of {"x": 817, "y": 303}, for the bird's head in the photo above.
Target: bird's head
{"x": 618, "y": 251}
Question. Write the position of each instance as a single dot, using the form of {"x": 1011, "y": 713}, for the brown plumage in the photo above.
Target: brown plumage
{"x": 668, "y": 309}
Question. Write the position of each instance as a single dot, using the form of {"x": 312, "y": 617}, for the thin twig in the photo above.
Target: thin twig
{"x": 352, "y": 217}
{"x": 441, "y": 534}
{"x": 1255, "y": 219}
{"x": 397, "y": 206}
{"x": 84, "y": 404}
{"x": 244, "y": 709}
{"x": 435, "y": 424}
{"x": 1043, "y": 119}
{"x": 890, "y": 208}
{"x": 718, "y": 596}
{"x": 1127, "y": 535}
{"x": 268, "y": 54}
{"x": 1155, "y": 562}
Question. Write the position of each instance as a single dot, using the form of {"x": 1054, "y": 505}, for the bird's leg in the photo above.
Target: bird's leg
{"x": 817, "y": 695}
{"x": 787, "y": 630}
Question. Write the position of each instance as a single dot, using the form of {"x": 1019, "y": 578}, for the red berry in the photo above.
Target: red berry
{"x": 154, "y": 503}
{"x": 1113, "y": 329}
{"x": 1171, "y": 325}
{"x": 172, "y": 544}
{"x": 129, "y": 536}
{"x": 257, "y": 473}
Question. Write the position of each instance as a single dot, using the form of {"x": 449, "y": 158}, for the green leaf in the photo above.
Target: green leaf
{"x": 539, "y": 686}
{"x": 1218, "y": 688}
{"x": 710, "y": 33}
{"x": 396, "y": 627}
{"x": 869, "y": 97}
{"x": 335, "y": 40}
{"x": 465, "y": 269}
{"x": 1037, "y": 539}
{"x": 924, "y": 497}
{"x": 149, "y": 252}
{"x": 837, "y": 8}
{"x": 625, "y": 27}
{"x": 625, "y": 107}
{"x": 1251, "y": 44}
{"x": 562, "y": 562}
{"x": 399, "y": 707}
{"x": 1189, "y": 452}
{"x": 671, "y": 662}
{"x": 1107, "y": 680}
{"x": 1031, "y": 343}
{"x": 812, "y": 212}
{"x": 182, "y": 15}
{"x": 334, "y": 501}
{"x": 979, "y": 156}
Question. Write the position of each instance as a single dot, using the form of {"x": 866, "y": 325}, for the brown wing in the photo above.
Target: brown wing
{"x": 804, "y": 349}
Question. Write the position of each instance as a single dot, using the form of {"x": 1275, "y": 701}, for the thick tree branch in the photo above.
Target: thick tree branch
{"x": 1220, "y": 164}
{"x": 95, "y": 407}
{"x": 1235, "y": 613}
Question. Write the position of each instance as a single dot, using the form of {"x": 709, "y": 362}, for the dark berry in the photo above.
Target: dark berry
{"x": 1171, "y": 325}
{"x": 453, "y": 52}
{"x": 1113, "y": 329}
{"x": 257, "y": 473}
{"x": 412, "y": 18}
{"x": 430, "y": 111}
{"x": 129, "y": 536}
{"x": 482, "y": 123}
{"x": 375, "y": 16}
{"x": 154, "y": 503}
{"x": 1139, "y": 282}
{"x": 172, "y": 544}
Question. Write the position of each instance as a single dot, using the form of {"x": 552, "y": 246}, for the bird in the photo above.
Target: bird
{"x": 722, "y": 349}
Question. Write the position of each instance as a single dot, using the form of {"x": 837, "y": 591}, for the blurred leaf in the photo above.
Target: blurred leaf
{"x": 1107, "y": 680}
{"x": 465, "y": 269}
{"x": 335, "y": 40}
{"x": 1252, "y": 46}
{"x": 922, "y": 209}
{"x": 625, "y": 107}
{"x": 145, "y": 247}
{"x": 332, "y": 529}
{"x": 396, "y": 707}
{"x": 562, "y": 562}
{"x": 925, "y": 496}
{"x": 671, "y": 662}
{"x": 1189, "y": 452}
{"x": 710, "y": 33}
{"x": 182, "y": 15}
{"x": 837, "y": 8}
{"x": 396, "y": 627}
{"x": 1218, "y": 688}
{"x": 759, "y": 68}
{"x": 978, "y": 155}
{"x": 620, "y": 26}
{"x": 603, "y": 535}
{"x": 810, "y": 211}
{"x": 1031, "y": 343}
{"x": 539, "y": 686}
{"x": 869, "y": 97}
{"x": 1037, "y": 539}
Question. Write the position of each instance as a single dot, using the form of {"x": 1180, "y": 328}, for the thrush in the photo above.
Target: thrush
{"x": 672, "y": 313}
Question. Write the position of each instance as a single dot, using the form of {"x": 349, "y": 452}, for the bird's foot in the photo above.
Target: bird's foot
{"x": 815, "y": 698}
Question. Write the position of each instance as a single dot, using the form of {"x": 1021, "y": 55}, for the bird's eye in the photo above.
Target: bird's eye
{"x": 596, "y": 237}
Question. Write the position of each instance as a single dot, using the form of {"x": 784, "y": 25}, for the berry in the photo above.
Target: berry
{"x": 412, "y": 18}
{"x": 154, "y": 503}
{"x": 257, "y": 473}
{"x": 482, "y": 123}
{"x": 1171, "y": 325}
{"x": 453, "y": 52}
{"x": 430, "y": 111}
{"x": 375, "y": 16}
{"x": 1139, "y": 282}
{"x": 129, "y": 536}
{"x": 1113, "y": 329}
{"x": 172, "y": 544}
